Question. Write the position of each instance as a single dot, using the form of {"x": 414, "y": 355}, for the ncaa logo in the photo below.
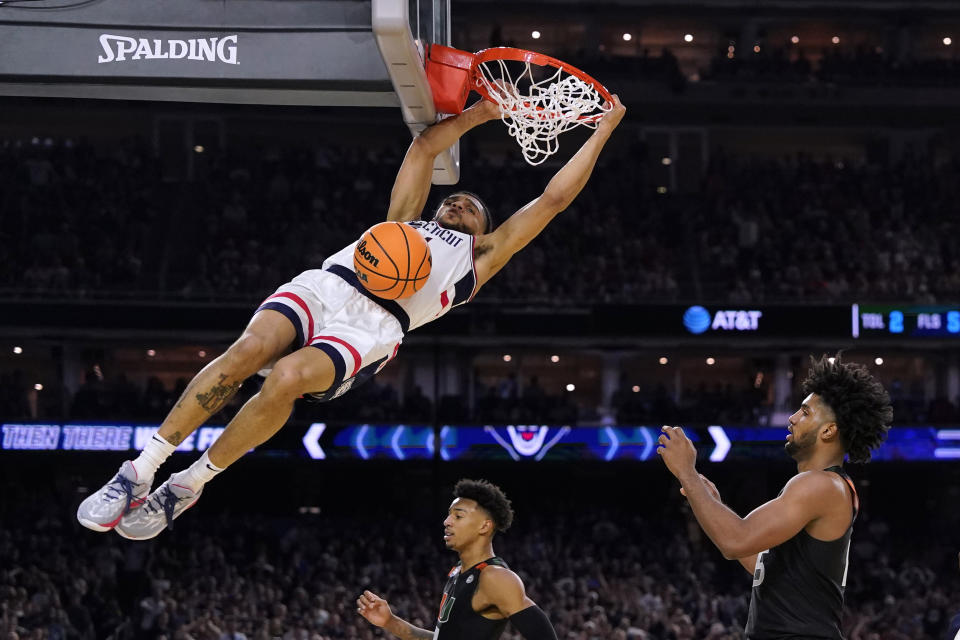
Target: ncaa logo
{"x": 524, "y": 441}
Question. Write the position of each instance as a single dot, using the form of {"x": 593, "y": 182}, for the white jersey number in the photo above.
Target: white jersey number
{"x": 759, "y": 572}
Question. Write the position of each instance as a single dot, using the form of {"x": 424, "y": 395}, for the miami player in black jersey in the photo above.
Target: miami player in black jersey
{"x": 482, "y": 594}
{"x": 797, "y": 546}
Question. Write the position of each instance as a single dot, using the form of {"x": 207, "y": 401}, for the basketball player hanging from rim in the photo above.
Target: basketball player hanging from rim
{"x": 797, "y": 546}
{"x": 482, "y": 594}
{"x": 339, "y": 333}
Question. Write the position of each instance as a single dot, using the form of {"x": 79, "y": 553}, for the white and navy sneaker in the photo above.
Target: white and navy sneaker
{"x": 103, "y": 510}
{"x": 158, "y": 512}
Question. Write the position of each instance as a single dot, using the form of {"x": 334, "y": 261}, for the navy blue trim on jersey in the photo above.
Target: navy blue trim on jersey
{"x": 339, "y": 366}
{"x": 290, "y": 314}
{"x": 341, "y": 386}
{"x": 389, "y": 306}
{"x": 464, "y": 288}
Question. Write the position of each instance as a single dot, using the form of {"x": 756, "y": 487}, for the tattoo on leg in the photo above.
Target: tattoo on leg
{"x": 184, "y": 395}
{"x": 213, "y": 400}
{"x": 175, "y": 439}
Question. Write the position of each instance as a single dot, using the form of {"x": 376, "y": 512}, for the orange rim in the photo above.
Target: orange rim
{"x": 522, "y": 55}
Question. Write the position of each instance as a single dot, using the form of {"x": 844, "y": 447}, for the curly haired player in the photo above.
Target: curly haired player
{"x": 797, "y": 545}
{"x": 481, "y": 594}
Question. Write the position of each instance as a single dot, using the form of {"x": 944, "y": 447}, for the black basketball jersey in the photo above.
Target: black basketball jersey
{"x": 457, "y": 620}
{"x": 798, "y": 585}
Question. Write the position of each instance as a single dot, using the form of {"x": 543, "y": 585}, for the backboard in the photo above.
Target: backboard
{"x": 403, "y": 29}
{"x": 290, "y": 52}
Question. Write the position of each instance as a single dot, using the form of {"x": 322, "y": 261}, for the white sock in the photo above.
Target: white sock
{"x": 199, "y": 473}
{"x": 153, "y": 455}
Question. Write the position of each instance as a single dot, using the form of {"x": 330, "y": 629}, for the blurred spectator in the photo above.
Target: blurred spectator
{"x": 883, "y": 231}
{"x": 601, "y": 572}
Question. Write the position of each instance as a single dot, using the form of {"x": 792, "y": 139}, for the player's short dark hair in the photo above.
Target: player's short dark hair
{"x": 491, "y": 499}
{"x": 484, "y": 209}
{"x": 859, "y": 402}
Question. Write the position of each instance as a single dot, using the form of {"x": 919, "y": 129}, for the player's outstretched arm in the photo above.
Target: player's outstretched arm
{"x": 749, "y": 562}
{"x": 494, "y": 250}
{"x": 412, "y": 186}
{"x": 770, "y": 524}
{"x": 377, "y": 612}
{"x": 502, "y": 589}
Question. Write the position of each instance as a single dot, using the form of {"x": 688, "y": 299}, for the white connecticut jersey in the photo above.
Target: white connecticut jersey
{"x": 452, "y": 281}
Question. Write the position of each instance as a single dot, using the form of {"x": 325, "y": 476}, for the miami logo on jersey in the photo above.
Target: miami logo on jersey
{"x": 446, "y": 606}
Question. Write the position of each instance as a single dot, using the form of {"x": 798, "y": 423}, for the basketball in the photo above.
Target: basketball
{"x": 392, "y": 261}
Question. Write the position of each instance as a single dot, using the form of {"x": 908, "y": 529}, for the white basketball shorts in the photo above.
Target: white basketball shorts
{"x": 330, "y": 314}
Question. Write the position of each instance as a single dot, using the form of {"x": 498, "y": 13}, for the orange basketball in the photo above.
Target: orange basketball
{"x": 392, "y": 260}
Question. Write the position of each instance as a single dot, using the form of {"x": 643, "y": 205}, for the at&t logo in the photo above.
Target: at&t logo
{"x": 698, "y": 320}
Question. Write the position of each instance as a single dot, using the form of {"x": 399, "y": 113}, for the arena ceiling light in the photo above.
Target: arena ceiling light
{"x": 663, "y": 360}
{"x": 666, "y": 161}
{"x": 948, "y": 41}
{"x": 878, "y": 361}
{"x": 688, "y": 37}
{"x": 535, "y": 34}
{"x": 711, "y": 362}
{"x": 38, "y": 387}
{"x": 795, "y": 39}
{"x": 627, "y": 37}
{"x": 571, "y": 387}
{"x": 636, "y": 388}
{"x": 835, "y": 39}
{"x": 18, "y": 350}
{"x": 507, "y": 357}
{"x": 554, "y": 359}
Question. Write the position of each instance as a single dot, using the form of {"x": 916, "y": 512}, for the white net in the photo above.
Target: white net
{"x": 536, "y": 112}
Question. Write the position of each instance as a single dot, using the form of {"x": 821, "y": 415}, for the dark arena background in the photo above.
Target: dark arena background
{"x": 785, "y": 184}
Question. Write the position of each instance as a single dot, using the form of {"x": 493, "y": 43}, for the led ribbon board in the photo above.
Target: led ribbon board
{"x": 519, "y": 443}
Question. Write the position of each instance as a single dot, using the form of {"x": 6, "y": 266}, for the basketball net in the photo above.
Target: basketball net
{"x": 536, "y": 115}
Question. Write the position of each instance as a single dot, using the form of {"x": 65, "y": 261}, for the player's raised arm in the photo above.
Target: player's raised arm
{"x": 504, "y": 590}
{"x": 377, "y": 612}
{"x": 801, "y": 502}
{"x": 412, "y": 185}
{"x": 749, "y": 562}
{"x": 494, "y": 250}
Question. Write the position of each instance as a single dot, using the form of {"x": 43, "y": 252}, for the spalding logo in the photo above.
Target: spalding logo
{"x": 369, "y": 257}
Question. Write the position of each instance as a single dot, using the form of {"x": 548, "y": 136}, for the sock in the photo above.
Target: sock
{"x": 199, "y": 473}
{"x": 153, "y": 455}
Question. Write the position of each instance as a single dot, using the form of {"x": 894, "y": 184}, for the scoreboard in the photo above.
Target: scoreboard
{"x": 902, "y": 321}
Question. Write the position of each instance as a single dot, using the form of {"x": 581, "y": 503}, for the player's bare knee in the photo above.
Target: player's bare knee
{"x": 248, "y": 354}
{"x": 285, "y": 382}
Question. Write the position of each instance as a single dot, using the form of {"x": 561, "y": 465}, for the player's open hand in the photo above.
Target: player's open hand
{"x": 711, "y": 488}
{"x": 612, "y": 118}
{"x": 374, "y": 608}
{"x": 677, "y": 451}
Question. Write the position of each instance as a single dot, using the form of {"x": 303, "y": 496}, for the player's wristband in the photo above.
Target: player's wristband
{"x": 533, "y": 624}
